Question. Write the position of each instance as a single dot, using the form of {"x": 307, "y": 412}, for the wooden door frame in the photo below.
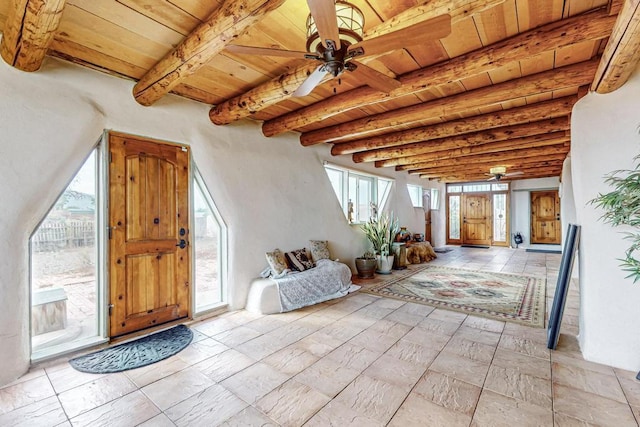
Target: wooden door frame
{"x": 189, "y": 218}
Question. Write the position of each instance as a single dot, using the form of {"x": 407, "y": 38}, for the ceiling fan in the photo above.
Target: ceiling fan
{"x": 499, "y": 172}
{"x": 334, "y": 38}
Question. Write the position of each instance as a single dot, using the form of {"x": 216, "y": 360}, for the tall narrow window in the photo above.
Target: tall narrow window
{"x": 64, "y": 276}
{"x": 500, "y": 218}
{"x": 454, "y": 217}
{"x": 208, "y": 241}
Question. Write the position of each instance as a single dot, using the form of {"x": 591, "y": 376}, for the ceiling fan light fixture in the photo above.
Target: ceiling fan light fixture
{"x": 350, "y": 26}
{"x": 498, "y": 170}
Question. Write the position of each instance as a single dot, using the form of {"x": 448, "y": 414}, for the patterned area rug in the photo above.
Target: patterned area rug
{"x": 135, "y": 354}
{"x": 501, "y": 296}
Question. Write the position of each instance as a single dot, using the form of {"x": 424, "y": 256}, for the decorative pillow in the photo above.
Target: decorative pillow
{"x": 299, "y": 260}
{"x": 319, "y": 249}
{"x": 277, "y": 261}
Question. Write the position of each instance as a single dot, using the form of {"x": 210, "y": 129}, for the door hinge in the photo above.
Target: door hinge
{"x": 110, "y": 306}
{"x": 110, "y": 156}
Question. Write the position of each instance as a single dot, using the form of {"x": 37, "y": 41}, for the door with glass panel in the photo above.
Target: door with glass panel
{"x": 149, "y": 254}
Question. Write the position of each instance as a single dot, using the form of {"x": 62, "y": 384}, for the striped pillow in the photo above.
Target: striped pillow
{"x": 299, "y": 260}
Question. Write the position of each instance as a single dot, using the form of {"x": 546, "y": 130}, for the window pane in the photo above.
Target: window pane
{"x": 454, "y": 188}
{"x": 500, "y": 187}
{"x": 207, "y": 251}
{"x": 353, "y": 198}
{"x": 384, "y": 188}
{"x": 364, "y": 199}
{"x": 500, "y": 217}
{"x": 415, "y": 193}
{"x": 476, "y": 187}
{"x": 335, "y": 176}
{"x": 63, "y": 266}
{"x": 454, "y": 217}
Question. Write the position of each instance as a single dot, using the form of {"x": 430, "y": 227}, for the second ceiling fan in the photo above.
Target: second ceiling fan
{"x": 335, "y": 38}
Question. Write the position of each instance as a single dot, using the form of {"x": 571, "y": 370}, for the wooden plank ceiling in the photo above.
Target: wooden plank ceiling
{"x": 497, "y": 91}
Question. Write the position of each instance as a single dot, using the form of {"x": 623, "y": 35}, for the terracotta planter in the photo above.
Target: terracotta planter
{"x": 366, "y": 267}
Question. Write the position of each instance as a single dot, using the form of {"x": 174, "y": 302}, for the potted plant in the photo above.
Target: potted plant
{"x": 381, "y": 232}
{"x": 366, "y": 265}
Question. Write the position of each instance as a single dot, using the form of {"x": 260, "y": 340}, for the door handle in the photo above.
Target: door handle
{"x": 182, "y": 244}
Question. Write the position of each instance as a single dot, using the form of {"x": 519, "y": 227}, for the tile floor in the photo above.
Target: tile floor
{"x": 360, "y": 360}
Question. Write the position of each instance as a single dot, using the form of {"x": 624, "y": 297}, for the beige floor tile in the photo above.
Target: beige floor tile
{"x": 590, "y": 407}
{"x": 128, "y": 410}
{"x": 427, "y": 338}
{"x": 353, "y": 356}
{"x": 43, "y": 413}
{"x": 439, "y": 326}
{"x": 223, "y": 365}
{"x": 341, "y": 331}
{"x": 214, "y": 326}
{"x": 261, "y": 347}
{"x": 478, "y": 335}
{"x": 98, "y": 392}
{"x": 564, "y": 360}
{"x": 292, "y": 403}
{"x": 372, "y": 398}
{"x": 631, "y": 387}
{"x": 405, "y": 318}
{"x": 524, "y": 346}
{"x": 160, "y": 420}
{"x": 177, "y": 387}
{"x": 319, "y": 344}
{"x": 327, "y": 376}
{"x": 485, "y": 324}
{"x": 34, "y": 372}
{"x": 255, "y": 381}
{"x": 593, "y": 382}
{"x": 470, "y": 349}
{"x": 375, "y": 312}
{"x": 374, "y": 340}
{"x": 357, "y": 319}
{"x": 265, "y": 324}
{"x": 209, "y": 407}
{"x": 24, "y": 393}
{"x": 562, "y": 420}
{"x": 390, "y": 328}
{"x": 249, "y": 417}
{"x": 412, "y": 352}
{"x": 448, "y": 392}
{"x": 467, "y": 370}
{"x": 156, "y": 371}
{"x": 527, "y": 365}
{"x": 291, "y": 360}
{"x": 417, "y": 411}
{"x": 67, "y": 377}
{"x": 417, "y": 309}
{"x": 388, "y": 303}
{"x": 636, "y": 413}
{"x": 236, "y": 336}
{"x": 538, "y": 335}
{"x": 201, "y": 350}
{"x": 336, "y": 414}
{"x": 497, "y": 410}
{"x": 513, "y": 383}
{"x": 396, "y": 372}
{"x": 448, "y": 316}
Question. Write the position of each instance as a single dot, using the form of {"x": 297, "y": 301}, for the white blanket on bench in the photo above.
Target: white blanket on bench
{"x": 327, "y": 280}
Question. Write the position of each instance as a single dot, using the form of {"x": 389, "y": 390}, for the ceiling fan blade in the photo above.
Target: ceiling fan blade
{"x": 324, "y": 15}
{"x": 375, "y": 78}
{"x": 311, "y": 82}
{"x": 251, "y": 50}
{"x": 431, "y": 29}
{"x": 493, "y": 178}
{"x": 514, "y": 173}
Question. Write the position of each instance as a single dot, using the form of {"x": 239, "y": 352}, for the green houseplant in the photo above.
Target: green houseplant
{"x": 381, "y": 232}
{"x": 622, "y": 207}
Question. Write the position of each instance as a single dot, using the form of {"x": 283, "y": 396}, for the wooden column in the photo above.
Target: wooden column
{"x": 198, "y": 48}
{"x": 28, "y": 32}
{"x": 622, "y": 54}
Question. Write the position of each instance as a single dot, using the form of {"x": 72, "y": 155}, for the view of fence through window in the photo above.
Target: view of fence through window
{"x": 206, "y": 251}
{"x": 63, "y": 266}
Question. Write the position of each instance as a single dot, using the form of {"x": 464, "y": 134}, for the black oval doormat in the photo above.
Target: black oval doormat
{"x": 135, "y": 354}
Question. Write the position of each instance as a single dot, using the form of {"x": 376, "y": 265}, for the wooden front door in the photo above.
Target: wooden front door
{"x": 149, "y": 231}
{"x": 476, "y": 219}
{"x": 545, "y": 217}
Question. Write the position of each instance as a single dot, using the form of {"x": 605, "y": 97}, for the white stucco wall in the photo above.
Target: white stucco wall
{"x": 271, "y": 192}
{"x": 605, "y": 133}
{"x": 521, "y": 204}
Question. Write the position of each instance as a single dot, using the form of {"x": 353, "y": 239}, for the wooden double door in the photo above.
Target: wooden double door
{"x": 149, "y": 254}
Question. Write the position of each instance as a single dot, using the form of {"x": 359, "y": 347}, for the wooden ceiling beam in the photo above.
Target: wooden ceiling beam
{"x": 224, "y": 25}
{"x": 622, "y": 53}
{"x": 467, "y": 141}
{"x": 528, "y": 113}
{"x": 570, "y": 76}
{"x": 477, "y": 178}
{"x": 540, "y": 153}
{"x": 590, "y": 26}
{"x": 511, "y": 165}
{"x": 493, "y": 147}
{"x": 28, "y": 32}
{"x": 283, "y": 86}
